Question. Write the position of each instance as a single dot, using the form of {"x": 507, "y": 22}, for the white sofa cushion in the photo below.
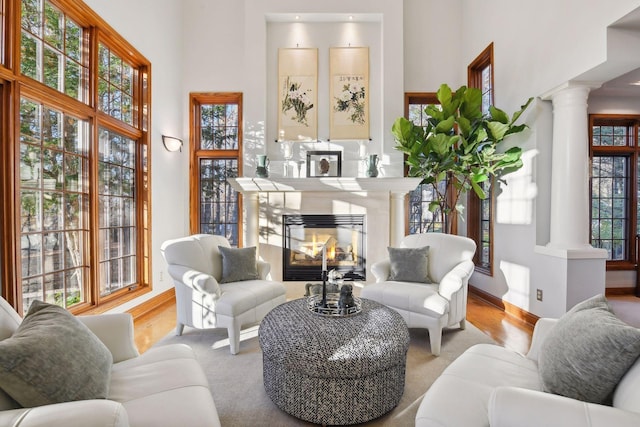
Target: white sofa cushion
{"x": 627, "y": 393}
{"x": 413, "y": 297}
{"x": 163, "y": 386}
{"x": 460, "y": 396}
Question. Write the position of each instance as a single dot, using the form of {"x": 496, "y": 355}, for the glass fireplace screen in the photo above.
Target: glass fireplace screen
{"x": 304, "y": 236}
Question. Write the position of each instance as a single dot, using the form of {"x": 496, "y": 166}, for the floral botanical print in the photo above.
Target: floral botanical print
{"x": 351, "y": 99}
{"x": 297, "y": 98}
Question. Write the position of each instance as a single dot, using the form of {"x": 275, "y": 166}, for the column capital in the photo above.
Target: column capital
{"x": 550, "y": 95}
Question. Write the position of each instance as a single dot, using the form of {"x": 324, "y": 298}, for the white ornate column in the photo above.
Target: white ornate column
{"x": 570, "y": 168}
{"x": 396, "y": 217}
{"x": 572, "y": 270}
{"x": 252, "y": 212}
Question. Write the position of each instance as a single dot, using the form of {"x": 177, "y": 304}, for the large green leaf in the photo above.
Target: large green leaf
{"x": 440, "y": 143}
{"x": 498, "y": 115}
{"x": 402, "y": 130}
{"x": 471, "y": 107}
{"x": 446, "y": 126}
{"x": 478, "y": 190}
{"x": 518, "y": 113}
{"x": 444, "y": 95}
{"x": 497, "y": 130}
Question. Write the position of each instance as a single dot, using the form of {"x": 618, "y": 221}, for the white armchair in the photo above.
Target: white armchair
{"x": 195, "y": 264}
{"x": 435, "y": 305}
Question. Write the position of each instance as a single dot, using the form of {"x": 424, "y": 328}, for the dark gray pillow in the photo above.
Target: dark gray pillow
{"x": 409, "y": 264}
{"x": 238, "y": 264}
{"x": 52, "y": 357}
{"x": 587, "y": 352}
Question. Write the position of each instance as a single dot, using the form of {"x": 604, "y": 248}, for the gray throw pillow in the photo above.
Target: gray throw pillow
{"x": 53, "y": 357}
{"x": 238, "y": 264}
{"x": 587, "y": 352}
{"x": 409, "y": 264}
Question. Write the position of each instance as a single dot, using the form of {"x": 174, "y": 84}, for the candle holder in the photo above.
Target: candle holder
{"x": 324, "y": 289}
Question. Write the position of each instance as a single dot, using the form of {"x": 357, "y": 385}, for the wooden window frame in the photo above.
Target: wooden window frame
{"x": 474, "y": 203}
{"x": 197, "y": 153}
{"x": 15, "y": 86}
{"x": 633, "y": 153}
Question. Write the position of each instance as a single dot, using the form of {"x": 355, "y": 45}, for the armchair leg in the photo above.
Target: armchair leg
{"x": 435, "y": 338}
{"x": 179, "y": 328}
{"x": 463, "y": 324}
{"x": 234, "y": 338}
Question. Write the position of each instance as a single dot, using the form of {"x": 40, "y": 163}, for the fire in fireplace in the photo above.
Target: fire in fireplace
{"x": 304, "y": 236}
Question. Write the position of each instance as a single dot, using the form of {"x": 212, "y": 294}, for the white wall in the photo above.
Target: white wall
{"x": 537, "y": 46}
{"x": 432, "y": 39}
{"x": 154, "y": 28}
{"x": 220, "y": 46}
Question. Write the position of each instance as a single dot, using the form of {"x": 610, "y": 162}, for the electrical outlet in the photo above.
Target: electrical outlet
{"x": 539, "y": 294}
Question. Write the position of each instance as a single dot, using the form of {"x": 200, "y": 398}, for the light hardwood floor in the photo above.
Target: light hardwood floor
{"x": 502, "y": 328}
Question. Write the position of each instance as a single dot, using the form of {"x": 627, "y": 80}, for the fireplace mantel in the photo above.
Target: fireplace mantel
{"x": 330, "y": 184}
{"x": 396, "y": 188}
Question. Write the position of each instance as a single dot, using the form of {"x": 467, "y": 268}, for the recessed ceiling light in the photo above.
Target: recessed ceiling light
{"x": 350, "y": 17}
{"x": 297, "y": 17}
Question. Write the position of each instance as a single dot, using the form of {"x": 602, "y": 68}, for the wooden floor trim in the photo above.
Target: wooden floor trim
{"x": 619, "y": 291}
{"x": 158, "y": 301}
{"x": 505, "y": 306}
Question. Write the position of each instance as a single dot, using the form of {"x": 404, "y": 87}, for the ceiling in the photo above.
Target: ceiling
{"x": 627, "y": 85}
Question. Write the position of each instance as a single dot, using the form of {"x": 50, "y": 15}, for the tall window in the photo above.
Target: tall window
{"x": 615, "y": 183}
{"x": 480, "y": 211}
{"x": 81, "y": 188}
{"x": 216, "y": 150}
{"x": 421, "y": 219}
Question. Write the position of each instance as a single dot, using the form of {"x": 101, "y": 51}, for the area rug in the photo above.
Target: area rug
{"x": 238, "y": 390}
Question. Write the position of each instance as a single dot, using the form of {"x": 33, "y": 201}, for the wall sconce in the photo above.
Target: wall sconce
{"x": 172, "y": 143}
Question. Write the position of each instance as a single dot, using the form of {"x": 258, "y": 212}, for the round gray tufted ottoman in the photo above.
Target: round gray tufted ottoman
{"x": 336, "y": 371}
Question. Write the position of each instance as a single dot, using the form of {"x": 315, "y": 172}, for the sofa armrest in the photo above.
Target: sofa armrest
{"x": 519, "y": 407}
{"x": 456, "y": 279}
{"x": 82, "y": 413}
{"x": 540, "y": 333}
{"x": 264, "y": 268}
{"x": 116, "y": 333}
{"x": 381, "y": 270}
{"x": 201, "y": 282}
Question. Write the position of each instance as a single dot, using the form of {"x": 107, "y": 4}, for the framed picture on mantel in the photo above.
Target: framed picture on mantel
{"x": 324, "y": 163}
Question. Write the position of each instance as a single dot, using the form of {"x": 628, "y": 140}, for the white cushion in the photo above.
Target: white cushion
{"x": 460, "y": 396}
{"x": 239, "y": 297}
{"x": 164, "y": 386}
{"x": 413, "y": 297}
{"x": 627, "y": 393}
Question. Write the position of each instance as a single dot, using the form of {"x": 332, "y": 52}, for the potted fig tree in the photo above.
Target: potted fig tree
{"x": 459, "y": 146}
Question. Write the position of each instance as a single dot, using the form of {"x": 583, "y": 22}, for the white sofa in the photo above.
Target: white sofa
{"x": 435, "y": 305}
{"x": 489, "y": 385}
{"x": 196, "y": 266}
{"x": 165, "y": 386}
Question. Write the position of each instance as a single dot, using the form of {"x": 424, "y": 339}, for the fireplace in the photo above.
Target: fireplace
{"x": 304, "y": 236}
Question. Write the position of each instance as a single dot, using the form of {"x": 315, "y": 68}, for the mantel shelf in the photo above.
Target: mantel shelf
{"x": 330, "y": 184}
